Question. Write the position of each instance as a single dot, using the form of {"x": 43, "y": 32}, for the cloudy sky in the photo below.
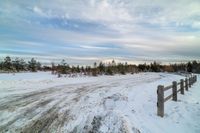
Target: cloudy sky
{"x": 83, "y": 31}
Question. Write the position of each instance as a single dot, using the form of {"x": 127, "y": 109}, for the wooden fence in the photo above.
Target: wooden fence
{"x": 184, "y": 85}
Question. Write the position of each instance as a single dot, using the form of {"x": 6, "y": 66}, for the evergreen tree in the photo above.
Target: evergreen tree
{"x": 194, "y": 66}
{"x": 32, "y": 65}
{"x": 189, "y": 67}
{"x": 7, "y": 65}
{"x": 109, "y": 71}
{"x": 1, "y": 65}
{"x": 95, "y": 65}
{"x": 82, "y": 69}
{"x": 94, "y": 70}
{"x": 19, "y": 64}
{"x": 63, "y": 68}
{"x": 101, "y": 67}
{"x": 155, "y": 67}
{"x": 142, "y": 67}
{"x": 78, "y": 69}
{"x": 73, "y": 69}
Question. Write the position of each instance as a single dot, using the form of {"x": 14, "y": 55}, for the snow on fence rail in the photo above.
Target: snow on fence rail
{"x": 184, "y": 85}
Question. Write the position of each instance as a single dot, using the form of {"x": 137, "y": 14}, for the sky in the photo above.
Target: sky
{"x": 84, "y": 31}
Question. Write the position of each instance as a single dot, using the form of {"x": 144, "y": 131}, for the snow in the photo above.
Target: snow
{"x": 41, "y": 102}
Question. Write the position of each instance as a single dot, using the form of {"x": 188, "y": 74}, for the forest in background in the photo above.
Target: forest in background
{"x": 9, "y": 65}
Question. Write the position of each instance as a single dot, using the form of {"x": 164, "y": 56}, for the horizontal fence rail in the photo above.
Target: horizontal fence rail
{"x": 176, "y": 87}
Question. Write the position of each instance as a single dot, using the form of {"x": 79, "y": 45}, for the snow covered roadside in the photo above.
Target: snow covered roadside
{"x": 41, "y": 102}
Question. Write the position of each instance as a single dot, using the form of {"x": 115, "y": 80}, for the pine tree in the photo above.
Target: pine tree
{"x": 7, "y": 65}
{"x": 189, "y": 67}
{"x": 19, "y": 64}
{"x": 94, "y": 70}
{"x": 1, "y": 65}
{"x": 82, "y": 69}
{"x": 16, "y": 64}
{"x": 32, "y": 65}
{"x": 78, "y": 69}
{"x": 194, "y": 66}
{"x": 101, "y": 67}
{"x": 109, "y": 71}
{"x": 63, "y": 68}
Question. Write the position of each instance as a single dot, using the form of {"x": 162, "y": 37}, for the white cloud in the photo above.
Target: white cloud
{"x": 124, "y": 16}
{"x": 139, "y": 27}
{"x": 95, "y": 47}
{"x": 39, "y": 11}
{"x": 107, "y": 12}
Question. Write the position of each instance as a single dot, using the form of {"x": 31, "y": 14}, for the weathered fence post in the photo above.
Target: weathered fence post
{"x": 186, "y": 84}
{"x": 160, "y": 102}
{"x": 190, "y": 82}
{"x": 182, "y": 86}
{"x": 193, "y": 80}
{"x": 174, "y": 91}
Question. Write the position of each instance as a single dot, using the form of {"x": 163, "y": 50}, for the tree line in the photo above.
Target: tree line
{"x": 191, "y": 67}
{"x": 110, "y": 68}
{"x": 17, "y": 65}
{"x": 97, "y": 69}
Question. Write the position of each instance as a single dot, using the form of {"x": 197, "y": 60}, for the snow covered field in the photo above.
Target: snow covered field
{"x": 41, "y": 102}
